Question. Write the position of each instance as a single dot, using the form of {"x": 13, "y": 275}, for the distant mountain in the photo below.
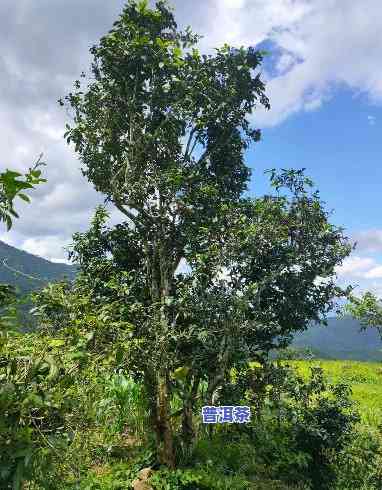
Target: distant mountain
{"x": 341, "y": 339}
{"x": 28, "y": 272}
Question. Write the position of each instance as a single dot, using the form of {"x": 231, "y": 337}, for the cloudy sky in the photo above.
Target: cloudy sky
{"x": 324, "y": 81}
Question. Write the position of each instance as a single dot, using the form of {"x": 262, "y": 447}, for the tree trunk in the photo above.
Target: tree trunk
{"x": 159, "y": 268}
{"x": 160, "y": 292}
{"x": 164, "y": 433}
{"x": 188, "y": 431}
{"x": 151, "y": 393}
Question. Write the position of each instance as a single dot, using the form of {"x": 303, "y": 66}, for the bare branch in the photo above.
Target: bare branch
{"x": 135, "y": 218}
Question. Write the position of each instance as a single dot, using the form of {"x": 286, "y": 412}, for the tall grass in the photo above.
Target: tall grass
{"x": 124, "y": 407}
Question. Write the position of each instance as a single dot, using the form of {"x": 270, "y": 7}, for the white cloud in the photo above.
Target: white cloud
{"x": 248, "y": 23}
{"x": 371, "y": 120}
{"x": 355, "y": 266}
{"x": 285, "y": 62}
{"x": 374, "y": 287}
{"x": 233, "y": 4}
{"x": 369, "y": 240}
{"x": 50, "y": 247}
{"x": 44, "y": 124}
{"x": 314, "y": 33}
{"x": 363, "y": 272}
{"x": 374, "y": 273}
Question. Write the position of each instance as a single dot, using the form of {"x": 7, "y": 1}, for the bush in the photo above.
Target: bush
{"x": 32, "y": 409}
{"x": 165, "y": 479}
{"x": 359, "y": 464}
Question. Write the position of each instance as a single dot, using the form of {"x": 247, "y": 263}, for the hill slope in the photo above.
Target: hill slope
{"x": 28, "y": 273}
{"x": 341, "y": 339}
{"x": 16, "y": 264}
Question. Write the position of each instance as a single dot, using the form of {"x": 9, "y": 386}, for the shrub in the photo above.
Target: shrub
{"x": 359, "y": 464}
{"x": 165, "y": 479}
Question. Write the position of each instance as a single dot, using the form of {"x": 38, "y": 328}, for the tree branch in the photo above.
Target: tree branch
{"x": 124, "y": 211}
{"x": 192, "y": 132}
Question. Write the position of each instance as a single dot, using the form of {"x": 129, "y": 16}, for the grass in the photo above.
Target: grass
{"x": 365, "y": 379}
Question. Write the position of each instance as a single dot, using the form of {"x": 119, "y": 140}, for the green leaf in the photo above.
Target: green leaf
{"x": 177, "y": 52}
{"x": 24, "y": 197}
{"x": 77, "y": 355}
{"x": 56, "y": 342}
{"x": 181, "y": 372}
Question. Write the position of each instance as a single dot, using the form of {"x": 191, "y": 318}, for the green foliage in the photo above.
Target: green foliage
{"x": 32, "y": 405}
{"x": 130, "y": 348}
{"x": 129, "y": 399}
{"x": 11, "y": 186}
{"x": 299, "y": 423}
{"x": 7, "y": 294}
{"x": 367, "y": 309}
{"x": 364, "y": 379}
{"x": 287, "y": 444}
{"x": 359, "y": 464}
{"x": 324, "y": 426}
{"x": 161, "y": 131}
{"x": 117, "y": 477}
{"x": 8, "y": 317}
{"x": 177, "y": 480}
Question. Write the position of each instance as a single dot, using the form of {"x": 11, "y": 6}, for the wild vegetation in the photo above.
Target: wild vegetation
{"x": 364, "y": 378}
{"x": 110, "y": 386}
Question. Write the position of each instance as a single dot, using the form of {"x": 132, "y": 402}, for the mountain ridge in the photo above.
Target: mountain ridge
{"x": 341, "y": 339}
{"x": 28, "y": 272}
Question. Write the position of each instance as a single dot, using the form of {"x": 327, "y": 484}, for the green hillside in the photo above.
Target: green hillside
{"x": 28, "y": 273}
{"x": 16, "y": 265}
{"x": 341, "y": 339}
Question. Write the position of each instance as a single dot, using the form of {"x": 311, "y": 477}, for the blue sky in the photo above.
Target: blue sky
{"x": 340, "y": 146}
{"x": 341, "y": 149}
{"x": 324, "y": 81}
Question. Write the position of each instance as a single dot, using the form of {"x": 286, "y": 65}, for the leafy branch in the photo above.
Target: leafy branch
{"x": 12, "y": 185}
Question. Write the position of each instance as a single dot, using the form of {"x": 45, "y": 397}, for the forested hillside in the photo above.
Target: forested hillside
{"x": 28, "y": 272}
{"x": 341, "y": 339}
